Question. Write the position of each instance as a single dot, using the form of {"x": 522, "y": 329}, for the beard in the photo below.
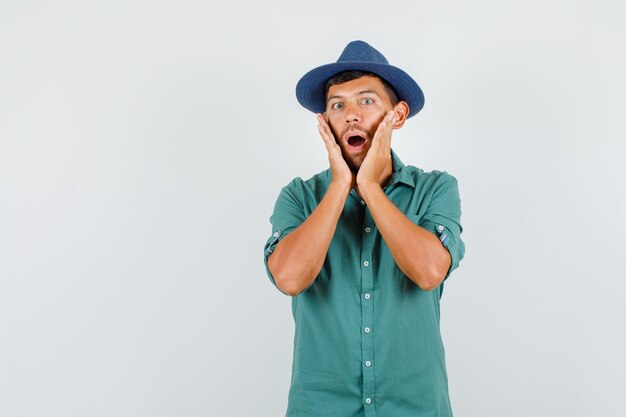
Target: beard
{"x": 353, "y": 163}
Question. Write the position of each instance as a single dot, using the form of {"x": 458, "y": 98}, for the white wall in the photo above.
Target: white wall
{"x": 142, "y": 146}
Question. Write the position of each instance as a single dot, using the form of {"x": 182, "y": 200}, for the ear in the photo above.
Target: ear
{"x": 401, "y": 111}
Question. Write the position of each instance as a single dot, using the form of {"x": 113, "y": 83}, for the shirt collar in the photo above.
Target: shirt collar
{"x": 400, "y": 173}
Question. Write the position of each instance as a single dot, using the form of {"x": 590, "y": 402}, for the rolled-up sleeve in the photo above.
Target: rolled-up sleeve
{"x": 443, "y": 218}
{"x": 288, "y": 215}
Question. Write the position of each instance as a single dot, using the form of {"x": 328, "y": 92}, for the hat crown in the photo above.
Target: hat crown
{"x": 363, "y": 52}
{"x": 358, "y": 56}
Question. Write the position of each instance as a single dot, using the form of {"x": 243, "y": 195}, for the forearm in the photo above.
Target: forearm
{"x": 299, "y": 256}
{"x": 416, "y": 251}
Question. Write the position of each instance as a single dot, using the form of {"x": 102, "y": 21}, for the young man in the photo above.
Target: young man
{"x": 363, "y": 248}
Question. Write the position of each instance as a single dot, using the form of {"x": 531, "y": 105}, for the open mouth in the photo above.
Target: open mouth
{"x": 356, "y": 141}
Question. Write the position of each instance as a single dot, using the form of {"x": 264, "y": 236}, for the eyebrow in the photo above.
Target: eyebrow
{"x": 358, "y": 94}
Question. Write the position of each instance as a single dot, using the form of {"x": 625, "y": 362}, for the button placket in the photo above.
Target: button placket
{"x": 367, "y": 313}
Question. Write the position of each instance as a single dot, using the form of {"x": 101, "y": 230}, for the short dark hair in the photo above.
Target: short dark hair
{"x": 345, "y": 76}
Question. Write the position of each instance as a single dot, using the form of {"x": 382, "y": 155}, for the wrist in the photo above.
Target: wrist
{"x": 367, "y": 188}
{"x": 367, "y": 184}
{"x": 340, "y": 185}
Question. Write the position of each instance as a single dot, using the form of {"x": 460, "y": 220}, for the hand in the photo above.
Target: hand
{"x": 340, "y": 171}
{"x": 376, "y": 166}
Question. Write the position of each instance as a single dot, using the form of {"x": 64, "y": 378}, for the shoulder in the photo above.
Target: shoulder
{"x": 317, "y": 182}
{"x": 429, "y": 179}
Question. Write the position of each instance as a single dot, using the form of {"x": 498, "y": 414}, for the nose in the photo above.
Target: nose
{"x": 353, "y": 114}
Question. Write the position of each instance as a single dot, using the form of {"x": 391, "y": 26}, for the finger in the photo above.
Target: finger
{"x": 325, "y": 137}
{"x": 322, "y": 122}
{"x": 386, "y": 124}
{"x": 321, "y": 119}
{"x": 387, "y": 131}
{"x": 382, "y": 137}
{"x": 326, "y": 133}
{"x": 322, "y": 126}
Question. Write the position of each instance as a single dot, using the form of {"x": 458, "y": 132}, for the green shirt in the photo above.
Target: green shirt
{"x": 367, "y": 339}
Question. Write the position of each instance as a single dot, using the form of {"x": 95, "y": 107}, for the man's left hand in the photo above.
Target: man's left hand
{"x": 373, "y": 169}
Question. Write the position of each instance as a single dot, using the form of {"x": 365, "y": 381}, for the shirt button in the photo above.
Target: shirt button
{"x": 368, "y": 363}
{"x": 368, "y": 400}
{"x": 440, "y": 228}
{"x": 276, "y": 234}
{"x": 367, "y": 296}
{"x": 366, "y": 263}
{"x": 362, "y": 202}
{"x": 367, "y": 230}
{"x": 367, "y": 330}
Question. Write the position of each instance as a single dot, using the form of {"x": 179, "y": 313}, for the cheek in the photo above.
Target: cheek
{"x": 376, "y": 119}
{"x": 376, "y": 113}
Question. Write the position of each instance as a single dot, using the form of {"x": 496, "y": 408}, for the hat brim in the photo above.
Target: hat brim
{"x": 311, "y": 89}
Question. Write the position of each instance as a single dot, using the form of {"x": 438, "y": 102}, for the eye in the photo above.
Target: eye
{"x": 367, "y": 101}
{"x": 336, "y": 106}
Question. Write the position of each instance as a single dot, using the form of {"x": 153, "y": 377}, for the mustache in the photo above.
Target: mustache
{"x": 356, "y": 129}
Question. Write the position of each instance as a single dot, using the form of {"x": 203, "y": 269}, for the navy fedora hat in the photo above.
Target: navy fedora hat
{"x": 358, "y": 55}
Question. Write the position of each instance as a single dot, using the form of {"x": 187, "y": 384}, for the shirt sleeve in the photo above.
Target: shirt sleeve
{"x": 288, "y": 215}
{"x": 443, "y": 218}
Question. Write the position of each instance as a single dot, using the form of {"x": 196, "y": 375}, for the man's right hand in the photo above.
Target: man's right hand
{"x": 339, "y": 168}
{"x": 298, "y": 258}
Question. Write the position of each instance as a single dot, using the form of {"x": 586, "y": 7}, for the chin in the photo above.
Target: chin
{"x": 354, "y": 167}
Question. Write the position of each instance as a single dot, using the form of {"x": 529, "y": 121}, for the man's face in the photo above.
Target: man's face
{"x": 354, "y": 110}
